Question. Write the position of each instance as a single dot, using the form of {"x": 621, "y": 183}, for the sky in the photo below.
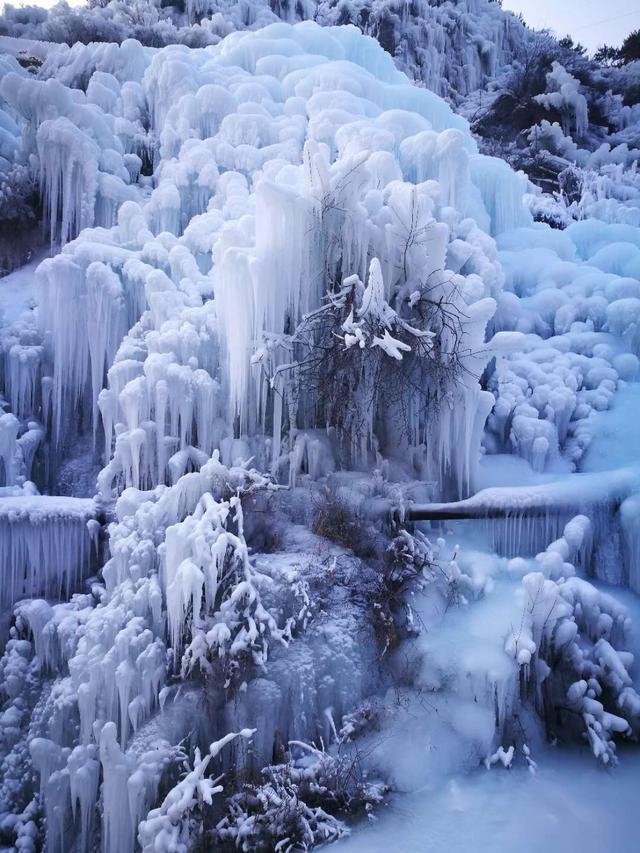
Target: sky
{"x": 591, "y": 22}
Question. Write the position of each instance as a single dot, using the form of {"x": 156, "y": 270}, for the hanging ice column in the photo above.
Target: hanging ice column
{"x": 76, "y": 145}
{"x": 84, "y": 310}
{"x": 264, "y": 291}
{"x": 68, "y": 177}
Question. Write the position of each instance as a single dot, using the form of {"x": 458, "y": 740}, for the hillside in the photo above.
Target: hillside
{"x": 320, "y": 482}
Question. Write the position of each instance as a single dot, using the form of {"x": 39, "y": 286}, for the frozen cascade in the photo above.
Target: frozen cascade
{"x": 304, "y": 195}
{"x": 148, "y": 426}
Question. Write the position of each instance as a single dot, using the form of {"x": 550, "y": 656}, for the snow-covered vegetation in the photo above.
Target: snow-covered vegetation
{"x": 313, "y": 479}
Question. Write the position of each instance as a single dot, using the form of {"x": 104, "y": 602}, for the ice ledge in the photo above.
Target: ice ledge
{"x": 47, "y": 545}
{"x": 575, "y": 492}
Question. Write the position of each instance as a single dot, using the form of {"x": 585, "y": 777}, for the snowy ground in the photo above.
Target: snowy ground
{"x": 616, "y": 433}
{"x": 569, "y": 805}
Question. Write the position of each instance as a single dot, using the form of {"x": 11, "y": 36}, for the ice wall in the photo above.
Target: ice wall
{"x": 367, "y": 169}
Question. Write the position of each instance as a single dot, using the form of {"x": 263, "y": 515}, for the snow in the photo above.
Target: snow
{"x": 17, "y": 292}
{"x": 567, "y": 805}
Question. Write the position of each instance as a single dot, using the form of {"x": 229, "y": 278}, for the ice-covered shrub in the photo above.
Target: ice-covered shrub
{"x": 299, "y": 804}
{"x": 213, "y": 592}
{"x": 564, "y": 96}
{"x": 20, "y": 212}
{"x": 338, "y": 520}
{"x": 172, "y": 827}
{"x": 408, "y": 566}
{"x": 570, "y": 646}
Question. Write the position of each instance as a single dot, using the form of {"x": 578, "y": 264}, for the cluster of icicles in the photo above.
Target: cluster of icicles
{"x": 113, "y": 645}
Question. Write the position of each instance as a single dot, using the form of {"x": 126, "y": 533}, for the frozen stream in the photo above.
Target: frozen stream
{"x": 570, "y": 804}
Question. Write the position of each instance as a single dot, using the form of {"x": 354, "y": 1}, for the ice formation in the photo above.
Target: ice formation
{"x": 291, "y": 293}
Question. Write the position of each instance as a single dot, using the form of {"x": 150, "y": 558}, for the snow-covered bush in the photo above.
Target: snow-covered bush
{"x": 114, "y": 21}
{"x": 213, "y": 592}
{"x": 564, "y": 96}
{"x": 299, "y": 804}
{"x": 408, "y": 566}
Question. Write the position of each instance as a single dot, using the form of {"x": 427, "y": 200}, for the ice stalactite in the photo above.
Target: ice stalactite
{"x": 9, "y": 428}
{"x": 630, "y": 521}
{"x": 106, "y": 322}
{"x": 208, "y": 574}
{"x": 69, "y": 177}
{"x": 24, "y": 354}
{"x": 78, "y": 148}
{"x": 58, "y": 276}
{"x": 19, "y": 443}
{"x": 85, "y": 308}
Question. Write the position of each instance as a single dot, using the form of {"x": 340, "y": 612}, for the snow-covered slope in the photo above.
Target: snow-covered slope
{"x": 292, "y": 300}
{"x": 453, "y": 48}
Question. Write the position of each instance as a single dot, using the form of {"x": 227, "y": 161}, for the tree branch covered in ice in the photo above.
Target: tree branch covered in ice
{"x": 298, "y": 804}
{"x": 169, "y": 828}
{"x": 213, "y": 591}
{"x": 356, "y": 361}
